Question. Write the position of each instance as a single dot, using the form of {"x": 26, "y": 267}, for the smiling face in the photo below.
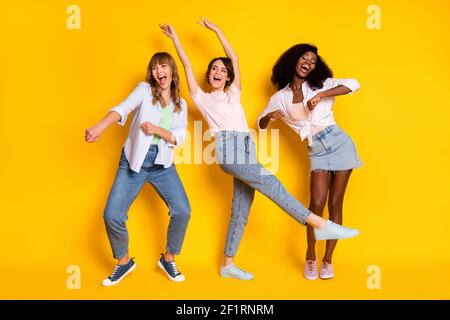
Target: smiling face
{"x": 305, "y": 64}
{"x": 218, "y": 75}
{"x": 162, "y": 73}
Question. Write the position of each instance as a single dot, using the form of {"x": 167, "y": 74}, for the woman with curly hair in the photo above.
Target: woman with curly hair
{"x": 304, "y": 102}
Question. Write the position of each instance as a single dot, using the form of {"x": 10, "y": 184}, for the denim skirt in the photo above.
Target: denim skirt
{"x": 333, "y": 150}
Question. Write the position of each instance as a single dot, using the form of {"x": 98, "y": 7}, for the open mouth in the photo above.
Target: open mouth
{"x": 217, "y": 79}
{"x": 162, "y": 80}
{"x": 304, "y": 68}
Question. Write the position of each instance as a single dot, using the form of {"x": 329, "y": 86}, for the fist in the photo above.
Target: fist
{"x": 92, "y": 134}
{"x": 275, "y": 115}
{"x": 149, "y": 128}
{"x": 313, "y": 102}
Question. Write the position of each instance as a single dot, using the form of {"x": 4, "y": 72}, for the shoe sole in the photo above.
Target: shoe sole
{"x": 120, "y": 279}
{"x": 335, "y": 238}
{"x": 311, "y": 278}
{"x": 167, "y": 274}
{"x": 327, "y": 277}
{"x": 233, "y": 277}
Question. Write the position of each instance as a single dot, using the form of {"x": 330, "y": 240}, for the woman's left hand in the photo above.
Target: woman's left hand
{"x": 149, "y": 128}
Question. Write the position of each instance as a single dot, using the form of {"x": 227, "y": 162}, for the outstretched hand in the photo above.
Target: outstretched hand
{"x": 208, "y": 24}
{"x": 168, "y": 30}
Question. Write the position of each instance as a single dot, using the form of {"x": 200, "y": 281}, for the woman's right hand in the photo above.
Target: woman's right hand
{"x": 92, "y": 134}
{"x": 208, "y": 24}
{"x": 168, "y": 30}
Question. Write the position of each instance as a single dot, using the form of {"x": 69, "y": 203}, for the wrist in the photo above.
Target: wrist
{"x": 101, "y": 126}
{"x": 158, "y": 130}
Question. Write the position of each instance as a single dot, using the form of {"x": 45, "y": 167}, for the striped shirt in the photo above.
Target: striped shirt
{"x": 322, "y": 114}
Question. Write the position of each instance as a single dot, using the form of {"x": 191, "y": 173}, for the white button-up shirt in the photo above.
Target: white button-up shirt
{"x": 322, "y": 114}
{"x": 137, "y": 143}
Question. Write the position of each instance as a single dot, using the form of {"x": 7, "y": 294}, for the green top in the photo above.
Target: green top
{"x": 165, "y": 121}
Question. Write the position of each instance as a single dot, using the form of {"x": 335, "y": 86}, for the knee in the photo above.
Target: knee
{"x": 112, "y": 220}
{"x": 317, "y": 205}
{"x": 181, "y": 211}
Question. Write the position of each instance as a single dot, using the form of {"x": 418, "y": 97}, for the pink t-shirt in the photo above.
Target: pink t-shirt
{"x": 222, "y": 110}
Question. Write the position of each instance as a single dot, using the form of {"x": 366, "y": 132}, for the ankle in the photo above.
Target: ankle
{"x": 227, "y": 261}
{"x": 310, "y": 254}
{"x": 169, "y": 257}
{"x": 124, "y": 260}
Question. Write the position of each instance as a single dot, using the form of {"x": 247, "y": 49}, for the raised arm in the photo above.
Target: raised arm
{"x": 226, "y": 47}
{"x": 169, "y": 31}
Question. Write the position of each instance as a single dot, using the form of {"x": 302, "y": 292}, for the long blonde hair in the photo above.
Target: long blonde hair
{"x": 164, "y": 58}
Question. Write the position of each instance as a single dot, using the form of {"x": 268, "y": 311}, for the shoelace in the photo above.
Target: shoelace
{"x": 338, "y": 227}
{"x": 310, "y": 266}
{"x": 325, "y": 265}
{"x": 116, "y": 269}
{"x": 240, "y": 270}
{"x": 174, "y": 267}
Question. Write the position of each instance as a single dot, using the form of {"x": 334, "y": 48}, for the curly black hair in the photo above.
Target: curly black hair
{"x": 283, "y": 71}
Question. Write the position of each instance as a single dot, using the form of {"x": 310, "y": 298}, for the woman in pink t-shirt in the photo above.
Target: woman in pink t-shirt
{"x": 236, "y": 152}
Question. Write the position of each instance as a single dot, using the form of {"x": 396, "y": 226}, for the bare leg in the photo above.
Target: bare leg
{"x": 320, "y": 182}
{"x": 339, "y": 181}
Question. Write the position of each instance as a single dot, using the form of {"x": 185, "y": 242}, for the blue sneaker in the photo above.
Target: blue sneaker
{"x": 170, "y": 268}
{"x": 231, "y": 271}
{"x": 119, "y": 272}
{"x": 334, "y": 231}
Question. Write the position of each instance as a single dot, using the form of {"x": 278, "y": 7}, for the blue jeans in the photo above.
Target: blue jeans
{"x": 125, "y": 189}
{"x": 236, "y": 155}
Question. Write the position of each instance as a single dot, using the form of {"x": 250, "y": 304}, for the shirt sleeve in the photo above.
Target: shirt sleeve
{"x": 179, "y": 128}
{"x": 130, "y": 103}
{"x": 352, "y": 84}
{"x": 275, "y": 103}
{"x": 199, "y": 99}
{"x": 235, "y": 92}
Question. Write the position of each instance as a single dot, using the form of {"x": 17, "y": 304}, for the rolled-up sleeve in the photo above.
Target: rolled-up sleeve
{"x": 130, "y": 103}
{"x": 352, "y": 84}
{"x": 180, "y": 126}
{"x": 273, "y": 105}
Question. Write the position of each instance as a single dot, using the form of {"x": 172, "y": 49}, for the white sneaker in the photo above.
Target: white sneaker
{"x": 333, "y": 231}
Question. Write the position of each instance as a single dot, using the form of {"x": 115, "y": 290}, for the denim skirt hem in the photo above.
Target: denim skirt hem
{"x": 333, "y": 150}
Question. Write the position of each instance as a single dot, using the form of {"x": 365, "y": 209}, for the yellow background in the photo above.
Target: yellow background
{"x": 56, "y": 82}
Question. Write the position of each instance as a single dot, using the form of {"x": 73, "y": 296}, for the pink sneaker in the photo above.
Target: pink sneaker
{"x": 326, "y": 271}
{"x": 310, "y": 272}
